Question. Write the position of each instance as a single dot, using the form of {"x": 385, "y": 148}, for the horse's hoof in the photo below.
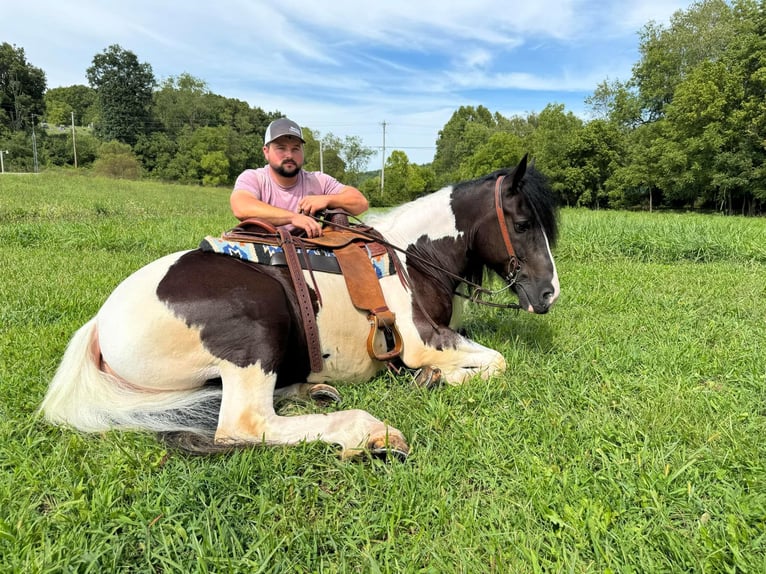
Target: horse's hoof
{"x": 324, "y": 395}
{"x": 389, "y": 454}
{"x": 389, "y": 445}
{"x": 428, "y": 377}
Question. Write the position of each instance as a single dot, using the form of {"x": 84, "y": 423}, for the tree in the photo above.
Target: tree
{"x": 124, "y": 88}
{"x": 395, "y": 183}
{"x": 593, "y": 154}
{"x": 502, "y": 149}
{"x": 183, "y": 102}
{"x": 699, "y": 34}
{"x": 22, "y": 89}
{"x": 355, "y": 156}
{"x": 616, "y": 102}
{"x": 550, "y": 145}
{"x": 700, "y": 85}
{"x": 156, "y": 151}
{"x": 466, "y": 129}
{"x": 61, "y": 103}
{"x": 58, "y": 149}
{"x": 203, "y": 156}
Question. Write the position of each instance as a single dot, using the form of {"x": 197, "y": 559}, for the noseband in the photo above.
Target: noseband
{"x": 513, "y": 266}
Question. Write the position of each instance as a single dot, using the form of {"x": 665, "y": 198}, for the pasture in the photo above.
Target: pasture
{"x": 626, "y": 435}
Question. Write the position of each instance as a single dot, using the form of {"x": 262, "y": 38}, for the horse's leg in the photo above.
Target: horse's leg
{"x": 247, "y": 416}
{"x": 453, "y": 363}
{"x": 304, "y": 392}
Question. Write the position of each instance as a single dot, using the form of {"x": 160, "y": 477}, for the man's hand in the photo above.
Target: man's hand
{"x": 313, "y": 204}
{"x": 308, "y": 224}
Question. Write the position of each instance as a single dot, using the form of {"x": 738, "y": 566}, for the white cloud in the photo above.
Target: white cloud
{"x": 345, "y": 66}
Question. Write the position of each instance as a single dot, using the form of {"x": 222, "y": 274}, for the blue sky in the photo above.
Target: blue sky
{"x": 345, "y": 67}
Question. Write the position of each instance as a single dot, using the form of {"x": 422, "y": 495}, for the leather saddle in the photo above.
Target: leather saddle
{"x": 352, "y": 246}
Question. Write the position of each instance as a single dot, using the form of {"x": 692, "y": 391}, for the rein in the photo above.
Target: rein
{"x": 476, "y": 291}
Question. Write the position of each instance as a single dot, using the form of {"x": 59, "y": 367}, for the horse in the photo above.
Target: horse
{"x": 201, "y": 345}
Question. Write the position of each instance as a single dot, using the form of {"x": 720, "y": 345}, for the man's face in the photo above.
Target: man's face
{"x": 285, "y": 155}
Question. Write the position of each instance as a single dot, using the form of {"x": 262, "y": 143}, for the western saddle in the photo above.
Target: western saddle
{"x": 352, "y": 246}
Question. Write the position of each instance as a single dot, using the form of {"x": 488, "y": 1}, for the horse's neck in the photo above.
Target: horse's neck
{"x": 427, "y": 230}
{"x": 430, "y": 216}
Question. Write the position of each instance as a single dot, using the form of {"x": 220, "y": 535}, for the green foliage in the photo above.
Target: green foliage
{"x": 183, "y": 102}
{"x": 59, "y": 149}
{"x": 403, "y": 181}
{"x": 468, "y": 128}
{"x": 549, "y": 144}
{"x": 626, "y": 435}
{"x": 501, "y": 150}
{"x": 344, "y": 159}
{"x": 124, "y": 89}
{"x": 699, "y": 34}
{"x": 17, "y": 157}
{"x": 61, "y": 103}
{"x": 116, "y": 160}
{"x": 215, "y": 168}
{"x": 22, "y": 88}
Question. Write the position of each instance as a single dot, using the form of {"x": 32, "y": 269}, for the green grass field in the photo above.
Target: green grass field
{"x": 626, "y": 436}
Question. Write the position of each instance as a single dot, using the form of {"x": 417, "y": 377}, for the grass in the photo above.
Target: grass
{"x": 626, "y": 436}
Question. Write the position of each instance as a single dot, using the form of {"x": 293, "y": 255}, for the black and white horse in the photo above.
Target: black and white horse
{"x": 146, "y": 360}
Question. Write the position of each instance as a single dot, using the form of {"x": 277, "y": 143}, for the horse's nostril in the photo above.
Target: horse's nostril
{"x": 542, "y": 308}
{"x": 548, "y": 294}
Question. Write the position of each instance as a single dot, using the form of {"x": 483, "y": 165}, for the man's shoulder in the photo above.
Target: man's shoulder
{"x": 318, "y": 177}
{"x": 253, "y": 176}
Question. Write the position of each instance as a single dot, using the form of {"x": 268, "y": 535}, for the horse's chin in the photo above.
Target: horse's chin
{"x": 540, "y": 307}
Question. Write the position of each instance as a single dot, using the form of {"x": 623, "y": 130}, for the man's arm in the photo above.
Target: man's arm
{"x": 244, "y": 205}
{"x": 349, "y": 199}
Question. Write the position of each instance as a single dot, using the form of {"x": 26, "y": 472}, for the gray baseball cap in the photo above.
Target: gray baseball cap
{"x": 282, "y": 127}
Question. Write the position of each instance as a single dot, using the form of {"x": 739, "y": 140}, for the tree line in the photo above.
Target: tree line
{"x": 685, "y": 131}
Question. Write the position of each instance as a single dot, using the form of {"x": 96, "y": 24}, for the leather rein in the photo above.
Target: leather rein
{"x": 476, "y": 291}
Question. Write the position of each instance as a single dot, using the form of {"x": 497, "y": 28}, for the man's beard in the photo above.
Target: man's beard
{"x": 288, "y": 171}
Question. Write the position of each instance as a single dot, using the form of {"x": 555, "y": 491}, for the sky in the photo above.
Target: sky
{"x": 372, "y": 69}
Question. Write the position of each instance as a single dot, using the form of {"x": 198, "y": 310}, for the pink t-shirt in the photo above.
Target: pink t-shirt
{"x": 263, "y": 187}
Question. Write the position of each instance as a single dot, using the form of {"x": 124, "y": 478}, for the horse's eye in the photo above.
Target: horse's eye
{"x": 521, "y": 226}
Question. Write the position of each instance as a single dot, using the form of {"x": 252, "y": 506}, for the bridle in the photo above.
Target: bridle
{"x": 513, "y": 267}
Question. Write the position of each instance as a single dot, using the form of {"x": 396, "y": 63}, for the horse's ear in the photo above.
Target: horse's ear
{"x": 518, "y": 173}
{"x": 532, "y": 163}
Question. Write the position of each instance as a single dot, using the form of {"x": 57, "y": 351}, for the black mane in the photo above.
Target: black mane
{"x": 537, "y": 192}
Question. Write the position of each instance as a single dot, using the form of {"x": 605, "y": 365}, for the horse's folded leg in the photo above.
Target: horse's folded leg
{"x": 428, "y": 377}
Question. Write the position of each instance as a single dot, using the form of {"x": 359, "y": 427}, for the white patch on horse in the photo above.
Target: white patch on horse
{"x": 344, "y": 330}
{"x": 555, "y": 280}
{"x": 143, "y": 341}
{"x": 404, "y": 225}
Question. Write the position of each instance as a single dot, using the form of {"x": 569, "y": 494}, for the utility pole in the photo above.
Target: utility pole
{"x": 383, "y": 165}
{"x": 34, "y": 144}
{"x": 74, "y": 145}
{"x": 321, "y": 159}
{"x": 2, "y": 165}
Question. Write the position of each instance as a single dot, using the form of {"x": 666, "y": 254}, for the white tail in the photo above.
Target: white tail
{"x": 83, "y": 396}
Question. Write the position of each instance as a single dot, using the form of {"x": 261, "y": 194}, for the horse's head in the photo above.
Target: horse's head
{"x": 514, "y": 234}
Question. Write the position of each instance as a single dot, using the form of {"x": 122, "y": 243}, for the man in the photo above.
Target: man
{"x": 285, "y": 195}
